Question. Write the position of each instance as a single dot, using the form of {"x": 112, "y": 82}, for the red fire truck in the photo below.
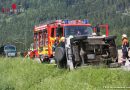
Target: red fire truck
{"x": 45, "y": 34}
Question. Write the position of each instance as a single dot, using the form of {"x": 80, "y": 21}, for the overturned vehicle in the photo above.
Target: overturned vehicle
{"x": 82, "y": 46}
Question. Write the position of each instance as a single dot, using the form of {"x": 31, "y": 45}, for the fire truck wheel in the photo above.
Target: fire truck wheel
{"x": 60, "y": 57}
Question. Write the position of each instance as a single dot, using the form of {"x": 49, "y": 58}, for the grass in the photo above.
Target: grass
{"x": 26, "y": 74}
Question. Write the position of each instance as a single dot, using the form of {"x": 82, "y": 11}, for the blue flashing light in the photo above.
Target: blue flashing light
{"x": 85, "y": 21}
{"x": 66, "y": 21}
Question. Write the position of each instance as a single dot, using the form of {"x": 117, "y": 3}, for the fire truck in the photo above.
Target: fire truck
{"x": 83, "y": 44}
{"x": 45, "y": 35}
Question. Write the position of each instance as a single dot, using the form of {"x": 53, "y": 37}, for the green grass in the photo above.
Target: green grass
{"x": 25, "y": 74}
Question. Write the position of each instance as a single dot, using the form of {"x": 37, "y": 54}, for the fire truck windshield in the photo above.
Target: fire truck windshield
{"x": 77, "y": 30}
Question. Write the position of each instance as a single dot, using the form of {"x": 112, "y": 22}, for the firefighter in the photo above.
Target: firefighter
{"x": 125, "y": 48}
{"x": 56, "y": 42}
{"x": 62, "y": 42}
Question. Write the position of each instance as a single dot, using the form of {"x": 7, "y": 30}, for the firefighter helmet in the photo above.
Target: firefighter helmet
{"x": 124, "y": 36}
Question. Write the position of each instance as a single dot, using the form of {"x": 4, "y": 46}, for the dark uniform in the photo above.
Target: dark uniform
{"x": 125, "y": 46}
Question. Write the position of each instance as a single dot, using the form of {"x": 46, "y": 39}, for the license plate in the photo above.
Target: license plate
{"x": 11, "y": 54}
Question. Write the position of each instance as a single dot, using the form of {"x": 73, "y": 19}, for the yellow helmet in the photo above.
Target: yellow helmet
{"x": 62, "y": 38}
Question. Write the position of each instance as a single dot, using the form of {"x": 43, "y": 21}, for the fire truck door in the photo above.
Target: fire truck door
{"x": 59, "y": 31}
{"x": 51, "y": 40}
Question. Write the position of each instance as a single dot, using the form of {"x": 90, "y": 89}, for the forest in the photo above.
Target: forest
{"x": 17, "y": 27}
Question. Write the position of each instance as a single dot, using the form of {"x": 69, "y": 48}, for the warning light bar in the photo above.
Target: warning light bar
{"x": 85, "y": 21}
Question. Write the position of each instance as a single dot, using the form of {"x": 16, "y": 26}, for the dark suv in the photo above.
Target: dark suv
{"x": 8, "y": 50}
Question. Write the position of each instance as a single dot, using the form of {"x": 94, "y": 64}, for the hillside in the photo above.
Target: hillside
{"x": 25, "y": 74}
{"x": 18, "y": 28}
